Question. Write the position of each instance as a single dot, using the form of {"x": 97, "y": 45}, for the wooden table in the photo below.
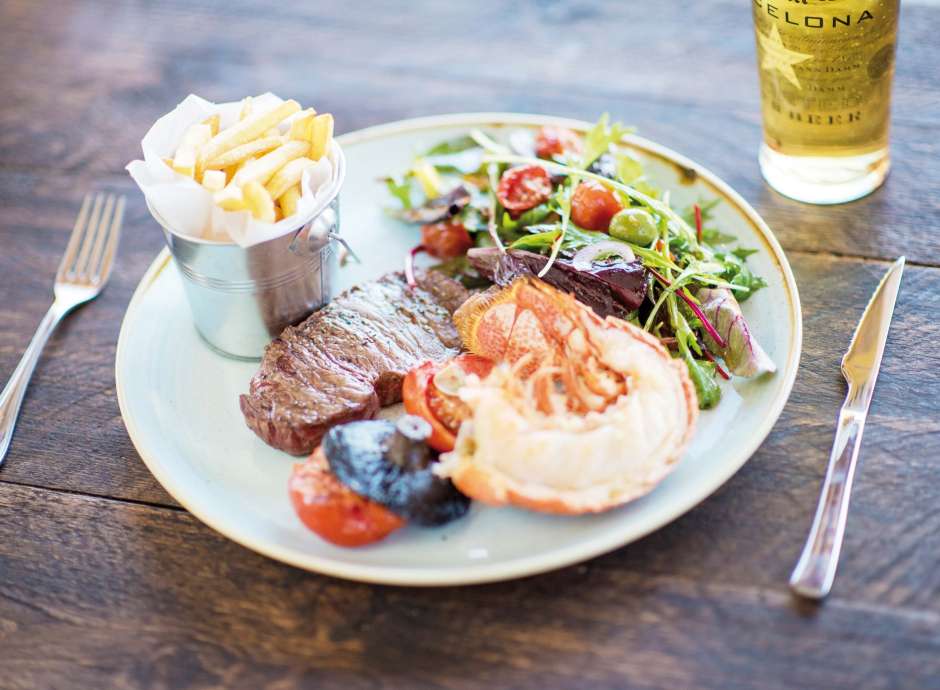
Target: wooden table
{"x": 105, "y": 582}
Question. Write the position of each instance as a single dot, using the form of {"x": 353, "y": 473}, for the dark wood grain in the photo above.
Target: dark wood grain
{"x": 105, "y": 582}
{"x": 188, "y": 609}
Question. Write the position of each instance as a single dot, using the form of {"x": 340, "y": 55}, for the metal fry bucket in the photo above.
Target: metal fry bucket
{"x": 242, "y": 297}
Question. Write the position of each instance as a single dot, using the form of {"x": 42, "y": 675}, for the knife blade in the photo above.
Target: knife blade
{"x": 816, "y": 568}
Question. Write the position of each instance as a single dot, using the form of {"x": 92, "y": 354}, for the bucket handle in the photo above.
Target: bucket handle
{"x": 294, "y": 245}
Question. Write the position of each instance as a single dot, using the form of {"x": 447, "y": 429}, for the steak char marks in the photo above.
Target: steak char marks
{"x": 349, "y": 358}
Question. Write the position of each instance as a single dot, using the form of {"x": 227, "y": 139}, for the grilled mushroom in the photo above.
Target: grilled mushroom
{"x": 390, "y": 463}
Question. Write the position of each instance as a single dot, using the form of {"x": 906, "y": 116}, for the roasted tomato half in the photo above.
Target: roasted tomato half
{"x": 523, "y": 187}
{"x": 333, "y": 511}
{"x": 430, "y": 391}
{"x": 446, "y": 239}
{"x": 555, "y": 141}
{"x": 593, "y": 205}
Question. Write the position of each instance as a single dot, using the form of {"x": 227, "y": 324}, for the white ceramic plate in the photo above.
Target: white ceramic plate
{"x": 179, "y": 399}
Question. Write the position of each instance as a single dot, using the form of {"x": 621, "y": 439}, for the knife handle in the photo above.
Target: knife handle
{"x": 816, "y": 568}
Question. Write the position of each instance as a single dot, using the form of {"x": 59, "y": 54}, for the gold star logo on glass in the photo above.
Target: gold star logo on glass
{"x": 778, "y": 57}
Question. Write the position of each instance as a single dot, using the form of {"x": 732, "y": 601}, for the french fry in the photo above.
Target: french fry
{"x": 213, "y": 121}
{"x": 322, "y": 133}
{"x": 259, "y": 202}
{"x": 230, "y": 199}
{"x": 246, "y": 130}
{"x": 302, "y": 126}
{"x": 289, "y": 199}
{"x": 264, "y": 168}
{"x": 196, "y": 135}
{"x": 240, "y": 153}
{"x": 288, "y": 176}
{"x": 186, "y": 156}
{"x": 247, "y": 104}
{"x": 256, "y": 164}
{"x": 213, "y": 180}
{"x": 184, "y": 162}
{"x": 232, "y": 170}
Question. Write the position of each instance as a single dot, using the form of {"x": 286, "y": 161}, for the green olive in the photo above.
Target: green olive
{"x": 634, "y": 225}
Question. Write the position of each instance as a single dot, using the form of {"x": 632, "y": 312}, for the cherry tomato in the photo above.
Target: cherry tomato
{"x": 593, "y": 205}
{"x": 442, "y": 409}
{"x": 333, "y": 511}
{"x": 555, "y": 141}
{"x": 523, "y": 187}
{"x": 446, "y": 239}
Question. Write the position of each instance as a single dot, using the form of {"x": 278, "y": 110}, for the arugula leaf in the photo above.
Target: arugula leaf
{"x": 703, "y": 377}
{"x": 533, "y": 215}
{"x": 401, "y": 190}
{"x": 452, "y": 146}
{"x": 746, "y": 279}
{"x": 739, "y": 276}
{"x": 743, "y": 253}
{"x": 598, "y": 140}
{"x": 679, "y": 244}
{"x": 537, "y": 241}
{"x": 714, "y": 236}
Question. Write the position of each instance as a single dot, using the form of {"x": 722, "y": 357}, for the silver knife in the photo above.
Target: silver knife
{"x": 816, "y": 568}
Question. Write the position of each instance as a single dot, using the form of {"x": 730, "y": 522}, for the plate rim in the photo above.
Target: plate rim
{"x": 526, "y": 565}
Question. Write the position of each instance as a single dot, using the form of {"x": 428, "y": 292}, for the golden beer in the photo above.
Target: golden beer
{"x": 826, "y": 68}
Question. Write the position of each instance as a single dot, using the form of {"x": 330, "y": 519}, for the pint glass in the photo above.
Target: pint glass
{"x": 826, "y": 68}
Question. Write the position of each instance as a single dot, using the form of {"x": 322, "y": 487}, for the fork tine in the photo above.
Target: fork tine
{"x": 114, "y": 232}
{"x": 94, "y": 230}
{"x": 77, "y": 267}
{"x": 75, "y": 239}
{"x": 101, "y": 236}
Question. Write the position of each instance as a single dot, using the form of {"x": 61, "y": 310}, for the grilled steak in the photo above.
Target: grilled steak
{"x": 348, "y": 359}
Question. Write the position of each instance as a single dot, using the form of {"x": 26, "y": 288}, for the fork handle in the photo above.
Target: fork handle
{"x": 12, "y": 396}
{"x": 816, "y": 568}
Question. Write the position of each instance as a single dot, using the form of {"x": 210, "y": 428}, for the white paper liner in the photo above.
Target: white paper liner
{"x": 187, "y": 207}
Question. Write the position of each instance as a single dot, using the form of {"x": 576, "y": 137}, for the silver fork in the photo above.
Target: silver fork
{"x": 82, "y": 274}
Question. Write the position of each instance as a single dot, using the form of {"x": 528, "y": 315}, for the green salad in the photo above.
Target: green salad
{"x": 579, "y": 210}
